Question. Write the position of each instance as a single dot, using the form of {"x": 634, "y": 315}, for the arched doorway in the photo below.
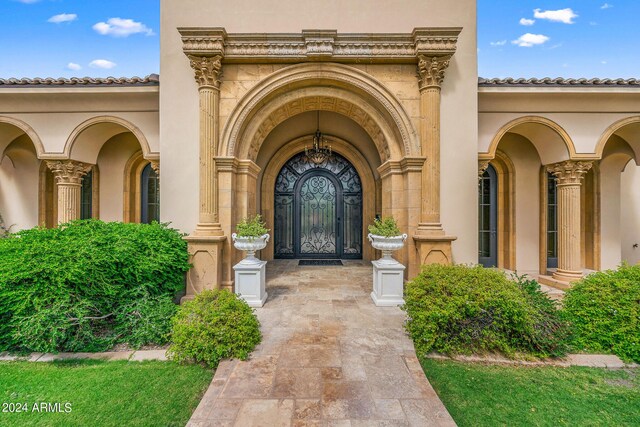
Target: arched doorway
{"x": 318, "y": 209}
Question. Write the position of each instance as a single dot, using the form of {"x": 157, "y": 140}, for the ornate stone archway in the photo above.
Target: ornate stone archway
{"x": 324, "y": 78}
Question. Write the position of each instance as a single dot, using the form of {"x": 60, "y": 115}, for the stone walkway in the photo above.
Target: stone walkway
{"x": 328, "y": 357}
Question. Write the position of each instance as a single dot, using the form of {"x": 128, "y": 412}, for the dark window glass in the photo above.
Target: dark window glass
{"x": 552, "y": 222}
{"x": 86, "y": 196}
{"x": 150, "y": 195}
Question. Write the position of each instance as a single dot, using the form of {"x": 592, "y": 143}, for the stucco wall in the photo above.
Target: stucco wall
{"x": 630, "y": 213}
{"x": 179, "y": 97}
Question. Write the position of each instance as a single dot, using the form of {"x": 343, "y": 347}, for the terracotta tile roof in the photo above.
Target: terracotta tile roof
{"x": 560, "y": 82}
{"x": 150, "y": 80}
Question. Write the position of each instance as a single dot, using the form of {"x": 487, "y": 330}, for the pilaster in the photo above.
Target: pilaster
{"x": 207, "y": 243}
{"x": 68, "y": 175}
{"x": 432, "y": 243}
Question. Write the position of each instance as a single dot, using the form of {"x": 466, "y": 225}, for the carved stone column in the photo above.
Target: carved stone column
{"x": 205, "y": 244}
{"x": 207, "y": 72}
{"x": 68, "y": 175}
{"x": 569, "y": 177}
{"x": 433, "y": 245}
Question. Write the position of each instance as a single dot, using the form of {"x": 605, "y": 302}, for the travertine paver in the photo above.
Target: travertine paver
{"x": 329, "y": 357}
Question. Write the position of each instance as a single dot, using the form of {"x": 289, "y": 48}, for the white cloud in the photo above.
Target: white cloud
{"x": 603, "y": 62}
{"x": 529, "y": 40}
{"x": 527, "y": 22}
{"x": 606, "y": 6}
{"x": 500, "y": 43}
{"x": 73, "y": 66}
{"x": 63, "y": 17}
{"x": 118, "y": 27}
{"x": 565, "y": 16}
{"x": 102, "y": 63}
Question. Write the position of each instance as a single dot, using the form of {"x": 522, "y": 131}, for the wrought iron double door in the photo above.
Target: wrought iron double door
{"x": 318, "y": 210}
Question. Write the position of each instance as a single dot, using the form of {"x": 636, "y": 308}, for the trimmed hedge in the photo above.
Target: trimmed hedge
{"x": 214, "y": 326}
{"x": 604, "y": 309}
{"x": 88, "y": 285}
{"x": 470, "y": 309}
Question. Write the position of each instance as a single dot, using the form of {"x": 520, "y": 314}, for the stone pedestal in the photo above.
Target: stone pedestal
{"x": 388, "y": 284}
{"x": 205, "y": 256}
{"x": 434, "y": 249}
{"x": 251, "y": 282}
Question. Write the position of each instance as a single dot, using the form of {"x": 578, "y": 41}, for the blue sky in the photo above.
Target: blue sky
{"x": 517, "y": 38}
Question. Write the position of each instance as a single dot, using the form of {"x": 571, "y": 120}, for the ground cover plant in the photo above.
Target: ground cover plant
{"x": 88, "y": 285}
{"x": 480, "y": 395}
{"x": 214, "y": 326}
{"x": 470, "y": 309}
{"x": 102, "y": 393}
{"x": 604, "y": 309}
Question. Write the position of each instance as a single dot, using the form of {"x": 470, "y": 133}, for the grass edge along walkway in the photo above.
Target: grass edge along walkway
{"x": 102, "y": 393}
{"x": 489, "y": 395}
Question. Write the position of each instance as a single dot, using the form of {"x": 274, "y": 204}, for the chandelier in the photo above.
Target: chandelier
{"x": 320, "y": 151}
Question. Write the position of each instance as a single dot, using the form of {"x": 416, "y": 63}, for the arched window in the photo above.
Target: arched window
{"x": 86, "y": 196}
{"x": 150, "y": 197}
{"x": 488, "y": 218}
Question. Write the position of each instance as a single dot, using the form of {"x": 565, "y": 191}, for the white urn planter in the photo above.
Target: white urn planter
{"x": 388, "y": 274}
{"x": 250, "y": 273}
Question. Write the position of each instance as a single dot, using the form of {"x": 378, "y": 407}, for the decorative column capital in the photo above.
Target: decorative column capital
{"x": 155, "y": 165}
{"x": 569, "y": 172}
{"x": 68, "y": 171}
{"x": 207, "y": 68}
{"x": 483, "y": 165}
{"x": 431, "y": 70}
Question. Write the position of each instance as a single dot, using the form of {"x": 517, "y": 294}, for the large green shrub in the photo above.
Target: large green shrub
{"x": 604, "y": 309}
{"x": 462, "y": 309}
{"x": 65, "y": 289}
{"x": 214, "y": 326}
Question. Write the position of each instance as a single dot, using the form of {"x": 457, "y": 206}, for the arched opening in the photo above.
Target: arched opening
{"x": 110, "y": 144}
{"x": 619, "y": 183}
{"x": 141, "y": 191}
{"x": 318, "y": 209}
{"x": 520, "y": 152}
{"x": 19, "y": 175}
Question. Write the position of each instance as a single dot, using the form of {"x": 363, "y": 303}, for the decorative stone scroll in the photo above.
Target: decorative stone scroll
{"x": 483, "y": 165}
{"x": 569, "y": 172}
{"x": 431, "y": 70}
{"x": 207, "y": 69}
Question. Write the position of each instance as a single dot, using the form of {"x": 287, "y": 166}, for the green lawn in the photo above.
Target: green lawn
{"x": 103, "y": 393}
{"x": 478, "y": 395}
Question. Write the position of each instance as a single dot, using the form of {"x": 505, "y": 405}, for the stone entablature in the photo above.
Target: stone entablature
{"x": 320, "y": 45}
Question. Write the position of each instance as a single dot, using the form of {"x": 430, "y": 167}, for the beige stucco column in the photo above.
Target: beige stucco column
{"x": 205, "y": 244}
{"x": 68, "y": 175}
{"x": 569, "y": 177}
{"x": 434, "y": 246}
